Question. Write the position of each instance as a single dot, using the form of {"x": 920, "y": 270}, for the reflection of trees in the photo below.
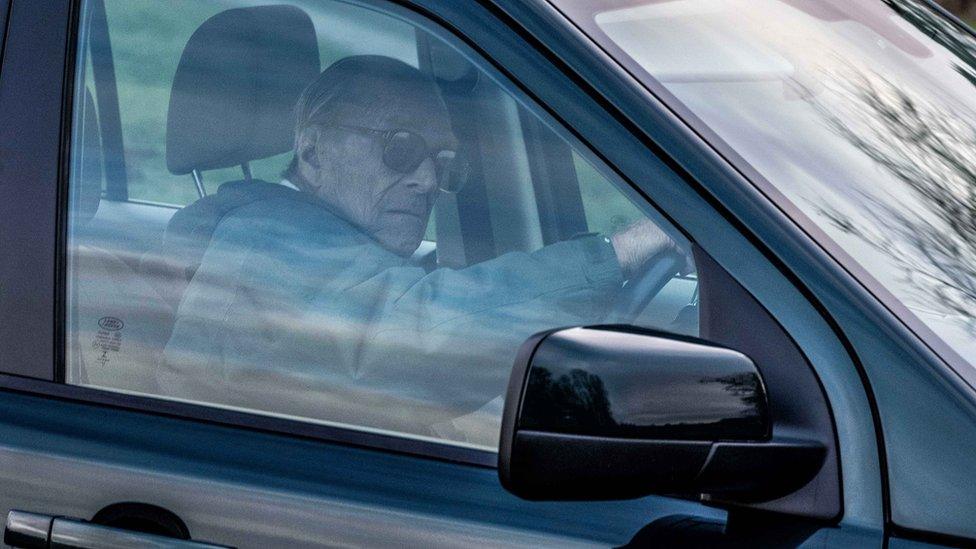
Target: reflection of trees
{"x": 576, "y": 401}
{"x": 932, "y": 150}
{"x": 745, "y": 387}
{"x": 576, "y": 398}
{"x": 965, "y": 9}
{"x": 942, "y": 31}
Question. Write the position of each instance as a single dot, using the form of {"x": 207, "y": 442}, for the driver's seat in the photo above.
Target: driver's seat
{"x": 232, "y": 102}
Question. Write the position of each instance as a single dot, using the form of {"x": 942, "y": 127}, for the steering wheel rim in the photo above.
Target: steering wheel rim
{"x": 639, "y": 291}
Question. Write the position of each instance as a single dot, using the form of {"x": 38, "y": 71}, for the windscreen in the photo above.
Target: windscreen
{"x": 861, "y": 112}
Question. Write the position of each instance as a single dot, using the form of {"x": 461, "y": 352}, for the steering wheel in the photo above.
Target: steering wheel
{"x": 634, "y": 297}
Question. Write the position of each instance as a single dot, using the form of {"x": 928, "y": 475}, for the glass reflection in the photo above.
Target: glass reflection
{"x": 862, "y": 113}
{"x": 322, "y": 288}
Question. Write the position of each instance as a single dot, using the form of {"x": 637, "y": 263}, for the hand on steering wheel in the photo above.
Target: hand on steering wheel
{"x": 638, "y": 292}
{"x": 648, "y": 258}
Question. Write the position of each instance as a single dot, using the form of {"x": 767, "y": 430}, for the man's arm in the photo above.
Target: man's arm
{"x": 448, "y": 339}
{"x": 444, "y": 342}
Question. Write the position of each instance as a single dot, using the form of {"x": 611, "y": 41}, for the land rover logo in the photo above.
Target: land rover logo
{"x": 110, "y": 323}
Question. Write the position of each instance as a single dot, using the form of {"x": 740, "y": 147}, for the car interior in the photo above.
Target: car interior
{"x": 229, "y": 117}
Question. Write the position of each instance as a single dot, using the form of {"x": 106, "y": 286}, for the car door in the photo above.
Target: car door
{"x": 917, "y": 359}
{"x": 92, "y": 433}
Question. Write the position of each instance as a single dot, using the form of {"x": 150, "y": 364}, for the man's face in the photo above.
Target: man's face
{"x": 348, "y": 171}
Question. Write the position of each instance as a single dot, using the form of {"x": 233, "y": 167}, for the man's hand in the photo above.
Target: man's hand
{"x": 638, "y": 243}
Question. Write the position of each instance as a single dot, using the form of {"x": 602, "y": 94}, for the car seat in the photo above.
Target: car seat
{"x": 232, "y": 102}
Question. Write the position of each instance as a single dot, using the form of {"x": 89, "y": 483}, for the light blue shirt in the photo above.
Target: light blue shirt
{"x": 296, "y": 312}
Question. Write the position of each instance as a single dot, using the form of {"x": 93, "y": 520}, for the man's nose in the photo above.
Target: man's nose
{"x": 423, "y": 180}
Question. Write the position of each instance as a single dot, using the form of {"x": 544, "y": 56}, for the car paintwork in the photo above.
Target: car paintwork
{"x": 249, "y": 487}
{"x": 252, "y": 489}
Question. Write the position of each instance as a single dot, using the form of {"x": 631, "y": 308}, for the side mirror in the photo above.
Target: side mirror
{"x": 615, "y": 412}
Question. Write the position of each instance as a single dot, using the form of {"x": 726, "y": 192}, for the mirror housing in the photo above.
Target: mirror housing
{"x": 616, "y": 412}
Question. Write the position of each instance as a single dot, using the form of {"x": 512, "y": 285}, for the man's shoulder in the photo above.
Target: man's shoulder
{"x": 254, "y": 204}
{"x": 248, "y": 214}
{"x": 261, "y": 195}
{"x": 279, "y": 209}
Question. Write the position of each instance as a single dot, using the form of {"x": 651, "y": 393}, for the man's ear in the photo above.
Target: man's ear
{"x": 306, "y": 149}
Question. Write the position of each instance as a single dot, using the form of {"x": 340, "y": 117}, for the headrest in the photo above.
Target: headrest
{"x": 236, "y": 85}
{"x": 88, "y": 191}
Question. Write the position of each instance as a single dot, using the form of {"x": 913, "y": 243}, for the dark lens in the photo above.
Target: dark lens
{"x": 404, "y": 151}
{"x": 451, "y": 171}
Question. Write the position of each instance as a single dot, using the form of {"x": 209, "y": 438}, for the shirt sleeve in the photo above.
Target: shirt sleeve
{"x": 442, "y": 344}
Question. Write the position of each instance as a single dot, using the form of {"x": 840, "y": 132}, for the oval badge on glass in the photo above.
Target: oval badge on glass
{"x": 110, "y": 323}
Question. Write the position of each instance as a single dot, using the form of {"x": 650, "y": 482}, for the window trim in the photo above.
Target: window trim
{"x": 30, "y": 220}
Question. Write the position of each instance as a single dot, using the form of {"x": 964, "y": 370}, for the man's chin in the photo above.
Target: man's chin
{"x": 397, "y": 244}
{"x": 403, "y": 234}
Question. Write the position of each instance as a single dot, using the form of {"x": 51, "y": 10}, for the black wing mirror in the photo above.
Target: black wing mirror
{"x": 615, "y": 412}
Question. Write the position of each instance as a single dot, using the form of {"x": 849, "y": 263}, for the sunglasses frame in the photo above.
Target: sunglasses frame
{"x": 443, "y": 176}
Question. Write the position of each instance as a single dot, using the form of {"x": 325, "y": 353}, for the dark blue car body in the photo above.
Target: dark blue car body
{"x": 905, "y": 422}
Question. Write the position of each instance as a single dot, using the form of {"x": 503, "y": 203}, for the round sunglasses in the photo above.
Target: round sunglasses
{"x": 404, "y": 151}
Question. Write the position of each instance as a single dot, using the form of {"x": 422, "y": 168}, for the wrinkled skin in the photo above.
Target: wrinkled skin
{"x": 345, "y": 168}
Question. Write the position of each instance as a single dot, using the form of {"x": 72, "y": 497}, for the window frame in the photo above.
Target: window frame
{"x": 46, "y": 379}
{"x": 33, "y": 73}
{"x": 4, "y": 13}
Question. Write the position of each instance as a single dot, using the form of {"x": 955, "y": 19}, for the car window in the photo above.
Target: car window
{"x": 878, "y": 99}
{"x": 147, "y": 42}
{"x": 303, "y": 283}
{"x": 607, "y": 210}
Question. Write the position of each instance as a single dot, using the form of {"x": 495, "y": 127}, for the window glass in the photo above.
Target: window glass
{"x": 147, "y": 42}
{"x": 309, "y": 290}
{"x": 862, "y": 113}
{"x": 607, "y": 210}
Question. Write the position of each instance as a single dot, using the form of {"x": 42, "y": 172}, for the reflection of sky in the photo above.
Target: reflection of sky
{"x": 388, "y": 352}
{"x": 785, "y": 135}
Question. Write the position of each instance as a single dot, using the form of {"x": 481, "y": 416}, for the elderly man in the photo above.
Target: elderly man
{"x": 305, "y": 302}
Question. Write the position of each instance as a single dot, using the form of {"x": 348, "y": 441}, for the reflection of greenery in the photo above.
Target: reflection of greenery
{"x": 577, "y": 401}
{"x": 932, "y": 151}
{"x": 607, "y": 209}
{"x": 576, "y": 398}
{"x": 745, "y": 386}
{"x": 942, "y": 31}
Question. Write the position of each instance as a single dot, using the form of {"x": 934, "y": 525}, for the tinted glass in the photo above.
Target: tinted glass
{"x": 310, "y": 290}
{"x": 863, "y": 113}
